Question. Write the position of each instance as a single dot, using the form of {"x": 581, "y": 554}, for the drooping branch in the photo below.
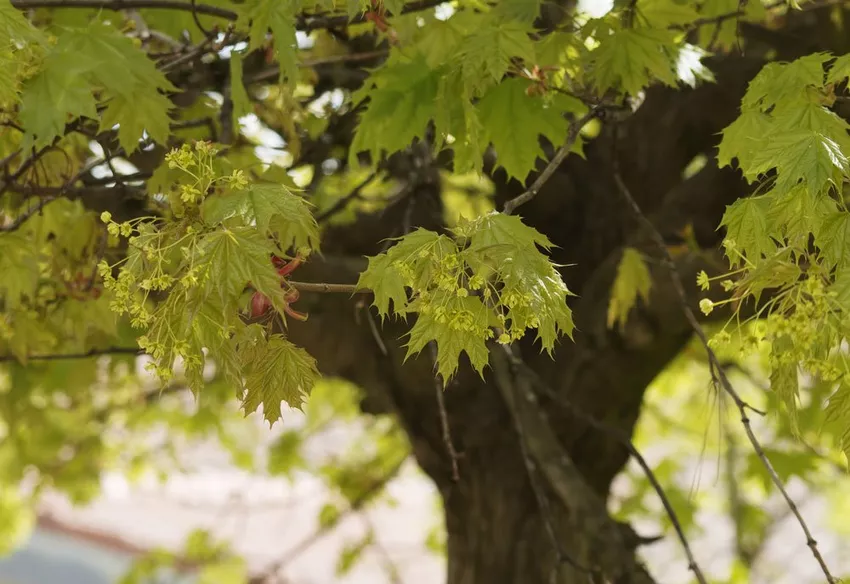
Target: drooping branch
{"x": 718, "y": 372}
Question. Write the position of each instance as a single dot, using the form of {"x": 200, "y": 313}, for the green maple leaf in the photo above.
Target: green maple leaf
{"x": 834, "y": 239}
{"x": 487, "y": 53}
{"x": 462, "y": 330}
{"x": 146, "y": 112}
{"x": 798, "y": 212}
{"x": 238, "y": 94}
{"x": 785, "y": 82}
{"x": 630, "y": 58}
{"x": 55, "y": 93}
{"x": 14, "y": 27}
{"x": 272, "y": 208}
{"x": 97, "y": 56}
{"x": 279, "y": 17}
{"x": 746, "y": 223}
{"x": 231, "y": 259}
{"x": 402, "y": 100}
{"x": 9, "y": 71}
{"x": 276, "y": 372}
{"x": 743, "y": 138}
{"x": 386, "y": 283}
{"x": 513, "y": 121}
{"x": 664, "y": 13}
{"x": 522, "y": 11}
{"x": 840, "y": 70}
{"x": 801, "y": 155}
{"x": 441, "y": 43}
{"x": 505, "y": 245}
{"x": 837, "y": 414}
{"x": 632, "y": 282}
{"x": 783, "y": 378}
{"x": 19, "y": 269}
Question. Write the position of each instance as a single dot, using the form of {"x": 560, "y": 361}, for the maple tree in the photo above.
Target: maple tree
{"x": 502, "y": 222}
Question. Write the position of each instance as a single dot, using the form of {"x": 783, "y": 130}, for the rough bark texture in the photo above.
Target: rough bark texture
{"x": 497, "y": 533}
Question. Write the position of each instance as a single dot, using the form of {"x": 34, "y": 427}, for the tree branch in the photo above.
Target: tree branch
{"x": 324, "y": 288}
{"x": 718, "y": 372}
{"x": 304, "y": 22}
{"x": 440, "y": 387}
{"x": 128, "y": 5}
{"x": 85, "y": 355}
{"x": 344, "y": 201}
{"x": 560, "y": 155}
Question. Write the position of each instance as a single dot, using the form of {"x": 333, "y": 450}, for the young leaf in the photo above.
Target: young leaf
{"x": 279, "y": 16}
{"x": 746, "y": 224}
{"x": 272, "y": 208}
{"x": 840, "y": 70}
{"x": 632, "y": 282}
{"x": 513, "y": 121}
{"x": 231, "y": 259}
{"x": 238, "y": 94}
{"x": 387, "y": 284}
{"x": 834, "y": 239}
{"x": 277, "y": 372}
{"x": 486, "y": 55}
{"x": 460, "y": 324}
{"x": 801, "y": 155}
{"x": 19, "y": 269}
{"x": 401, "y": 103}
{"x": 630, "y": 58}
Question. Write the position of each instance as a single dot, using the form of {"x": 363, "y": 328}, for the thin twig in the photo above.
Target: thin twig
{"x": 64, "y": 356}
{"x": 560, "y": 155}
{"x": 17, "y": 223}
{"x": 304, "y": 22}
{"x": 127, "y": 5}
{"x": 719, "y": 371}
{"x": 356, "y": 504}
{"x": 344, "y": 201}
{"x": 274, "y": 72}
{"x": 324, "y": 288}
{"x": 440, "y": 387}
{"x": 197, "y": 20}
{"x": 626, "y": 442}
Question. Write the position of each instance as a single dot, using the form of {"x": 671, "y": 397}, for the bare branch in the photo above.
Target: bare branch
{"x": 440, "y": 386}
{"x": 344, "y": 201}
{"x": 356, "y": 504}
{"x": 560, "y": 155}
{"x": 85, "y": 355}
{"x": 128, "y": 5}
{"x": 20, "y": 220}
{"x": 324, "y": 288}
{"x": 717, "y": 370}
{"x": 305, "y": 22}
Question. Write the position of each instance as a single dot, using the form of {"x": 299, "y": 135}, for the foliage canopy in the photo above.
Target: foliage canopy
{"x": 145, "y": 209}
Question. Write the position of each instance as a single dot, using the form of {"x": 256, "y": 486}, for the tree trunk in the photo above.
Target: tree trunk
{"x": 508, "y": 506}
